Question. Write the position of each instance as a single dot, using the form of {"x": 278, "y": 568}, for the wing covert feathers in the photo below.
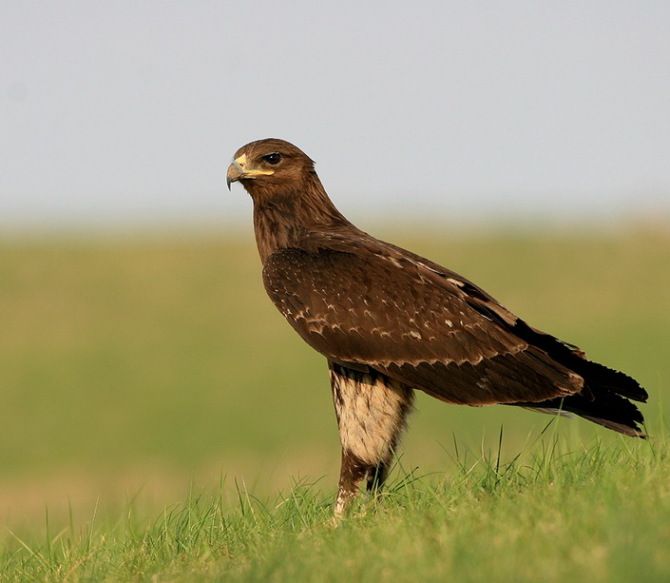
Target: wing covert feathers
{"x": 378, "y": 308}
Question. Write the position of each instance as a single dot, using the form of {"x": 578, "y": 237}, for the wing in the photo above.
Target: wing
{"x": 363, "y": 303}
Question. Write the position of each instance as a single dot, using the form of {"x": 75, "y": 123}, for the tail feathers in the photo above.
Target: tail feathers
{"x": 604, "y": 408}
{"x": 598, "y": 377}
{"x": 604, "y": 398}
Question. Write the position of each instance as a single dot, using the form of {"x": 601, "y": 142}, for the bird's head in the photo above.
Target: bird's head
{"x": 269, "y": 166}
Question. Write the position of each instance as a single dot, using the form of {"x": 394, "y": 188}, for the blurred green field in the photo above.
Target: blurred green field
{"x": 131, "y": 367}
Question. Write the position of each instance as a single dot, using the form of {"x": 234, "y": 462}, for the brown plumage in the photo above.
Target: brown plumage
{"x": 389, "y": 321}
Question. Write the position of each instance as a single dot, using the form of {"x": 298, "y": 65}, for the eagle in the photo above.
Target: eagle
{"x": 390, "y": 322}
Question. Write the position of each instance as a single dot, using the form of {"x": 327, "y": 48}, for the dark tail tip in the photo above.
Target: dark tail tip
{"x": 602, "y": 407}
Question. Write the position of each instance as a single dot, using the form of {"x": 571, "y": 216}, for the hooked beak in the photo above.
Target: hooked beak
{"x": 234, "y": 173}
{"x": 240, "y": 170}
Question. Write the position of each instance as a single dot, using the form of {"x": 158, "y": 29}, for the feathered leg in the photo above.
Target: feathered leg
{"x": 371, "y": 411}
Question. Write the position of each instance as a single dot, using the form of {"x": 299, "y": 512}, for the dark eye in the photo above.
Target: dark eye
{"x": 273, "y": 158}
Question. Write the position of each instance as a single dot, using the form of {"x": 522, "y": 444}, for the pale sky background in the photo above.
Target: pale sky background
{"x": 130, "y": 111}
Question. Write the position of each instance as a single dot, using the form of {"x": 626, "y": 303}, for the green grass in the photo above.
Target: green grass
{"x": 553, "y": 514}
{"x": 154, "y": 406}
